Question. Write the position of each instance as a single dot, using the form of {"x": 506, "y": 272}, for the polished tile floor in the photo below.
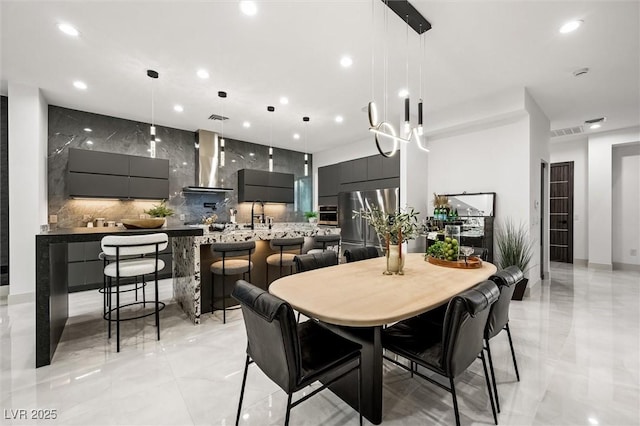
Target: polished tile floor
{"x": 576, "y": 338}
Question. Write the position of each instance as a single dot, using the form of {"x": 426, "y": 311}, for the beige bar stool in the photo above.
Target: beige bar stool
{"x": 282, "y": 259}
{"x": 121, "y": 247}
{"x": 230, "y": 265}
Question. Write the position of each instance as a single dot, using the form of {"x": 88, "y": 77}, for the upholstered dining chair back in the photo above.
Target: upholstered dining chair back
{"x": 506, "y": 280}
{"x": 361, "y": 253}
{"x": 271, "y": 333}
{"x": 463, "y": 328}
{"x": 307, "y": 262}
{"x": 133, "y": 245}
{"x": 481, "y": 252}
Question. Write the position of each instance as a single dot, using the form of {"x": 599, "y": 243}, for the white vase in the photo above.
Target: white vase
{"x": 313, "y": 220}
{"x": 395, "y": 259}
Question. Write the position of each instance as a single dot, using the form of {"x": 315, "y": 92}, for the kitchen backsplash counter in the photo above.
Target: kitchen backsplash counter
{"x": 280, "y": 230}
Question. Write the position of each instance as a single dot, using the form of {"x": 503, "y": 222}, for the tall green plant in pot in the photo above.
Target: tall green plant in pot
{"x": 514, "y": 248}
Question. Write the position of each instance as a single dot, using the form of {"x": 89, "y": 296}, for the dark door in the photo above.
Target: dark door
{"x": 561, "y": 212}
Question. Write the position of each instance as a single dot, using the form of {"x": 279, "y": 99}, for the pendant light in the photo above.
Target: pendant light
{"x": 306, "y": 155}
{"x": 407, "y": 102}
{"x": 152, "y": 130}
{"x": 271, "y": 109}
{"x": 222, "y": 96}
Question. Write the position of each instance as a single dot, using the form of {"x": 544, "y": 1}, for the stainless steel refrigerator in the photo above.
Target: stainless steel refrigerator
{"x": 356, "y": 232}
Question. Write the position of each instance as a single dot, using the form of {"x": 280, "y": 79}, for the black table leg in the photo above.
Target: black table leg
{"x": 346, "y": 388}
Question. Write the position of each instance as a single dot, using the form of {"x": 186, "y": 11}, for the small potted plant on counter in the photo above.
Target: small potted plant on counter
{"x": 160, "y": 211}
{"x": 514, "y": 248}
{"x": 312, "y": 217}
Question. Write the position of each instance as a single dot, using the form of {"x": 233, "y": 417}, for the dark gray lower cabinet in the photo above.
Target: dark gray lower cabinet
{"x": 85, "y": 269}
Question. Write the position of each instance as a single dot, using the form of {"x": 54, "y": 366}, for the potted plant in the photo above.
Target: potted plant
{"x": 514, "y": 248}
{"x": 160, "y": 211}
{"x": 393, "y": 228}
{"x": 311, "y": 216}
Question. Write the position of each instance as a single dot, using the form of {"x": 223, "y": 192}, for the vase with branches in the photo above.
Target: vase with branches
{"x": 393, "y": 228}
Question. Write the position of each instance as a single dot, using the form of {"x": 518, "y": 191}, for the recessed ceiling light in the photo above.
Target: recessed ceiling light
{"x": 158, "y": 140}
{"x": 595, "y": 123}
{"x": 89, "y": 142}
{"x": 570, "y": 26}
{"x": 184, "y": 163}
{"x": 251, "y": 154}
{"x": 296, "y": 136}
{"x": 284, "y": 100}
{"x": 203, "y": 74}
{"x": 249, "y": 8}
{"x": 86, "y": 129}
{"x": 68, "y": 30}
{"x": 81, "y": 85}
{"x": 339, "y": 119}
{"x": 403, "y": 93}
{"x": 246, "y": 124}
{"x": 346, "y": 61}
{"x": 233, "y": 161}
{"x": 178, "y": 108}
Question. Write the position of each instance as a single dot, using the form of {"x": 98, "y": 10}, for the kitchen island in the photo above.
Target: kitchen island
{"x": 193, "y": 256}
{"x": 52, "y": 295}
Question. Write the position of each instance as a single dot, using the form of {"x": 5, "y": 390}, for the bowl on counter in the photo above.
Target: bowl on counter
{"x": 151, "y": 223}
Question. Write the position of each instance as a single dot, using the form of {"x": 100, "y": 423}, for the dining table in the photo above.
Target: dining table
{"x": 356, "y": 300}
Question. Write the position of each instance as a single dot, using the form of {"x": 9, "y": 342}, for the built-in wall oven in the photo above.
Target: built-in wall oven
{"x": 328, "y": 215}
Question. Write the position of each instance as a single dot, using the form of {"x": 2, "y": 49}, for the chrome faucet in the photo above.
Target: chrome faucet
{"x": 252, "y": 216}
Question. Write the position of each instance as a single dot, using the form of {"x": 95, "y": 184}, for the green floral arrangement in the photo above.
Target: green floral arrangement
{"x": 400, "y": 226}
{"x": 160, "y": 210}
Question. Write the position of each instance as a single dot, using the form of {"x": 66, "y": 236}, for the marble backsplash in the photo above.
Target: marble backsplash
{"x": 67, "y": 129}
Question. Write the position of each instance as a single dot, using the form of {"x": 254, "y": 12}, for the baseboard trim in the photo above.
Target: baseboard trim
{"x": 15, "y": 299}
{"x": 626, "y": 267}
{"x": 581, "y": 262}
{"x": 601, "y": 266}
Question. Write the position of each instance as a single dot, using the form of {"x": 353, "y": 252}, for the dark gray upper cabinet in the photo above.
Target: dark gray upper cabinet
{"x": 140, "y": 187}
{"x": 148, "y": 167}
{"x": 329, "y": 181}
{"x": 353, "y": 171}
{"x": 265, "y": 186}
{"x": 374, "y": 167}
{"x": 390, "y": 166}
{"x": 98, "y": 186}
{"x": 108, "y": 175}
{"x": 105, "y": 163}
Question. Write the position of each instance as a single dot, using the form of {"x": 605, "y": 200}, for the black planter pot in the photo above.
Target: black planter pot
{"x": 518, "y": 293}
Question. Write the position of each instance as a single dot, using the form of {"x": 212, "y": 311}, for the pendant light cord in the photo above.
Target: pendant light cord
{"x": 373, "y": 50}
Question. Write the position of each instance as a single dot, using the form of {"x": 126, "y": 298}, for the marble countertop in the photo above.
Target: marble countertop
{"x": 262, "y": 232}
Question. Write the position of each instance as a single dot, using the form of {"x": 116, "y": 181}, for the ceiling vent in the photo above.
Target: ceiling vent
{"x": 218, "y": 117}
{"x": 568, "y": 131}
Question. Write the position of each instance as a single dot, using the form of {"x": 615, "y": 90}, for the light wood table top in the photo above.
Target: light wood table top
{"x": 358, "y": 294}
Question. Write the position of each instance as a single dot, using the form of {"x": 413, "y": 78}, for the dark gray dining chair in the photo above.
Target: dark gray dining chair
{"x": 310, "y": 261}
{"x": 361, "y": 253}
{"x": 506, "y": 280}
{"x": 292, "y": 355}
{"x": 450, "y": 348}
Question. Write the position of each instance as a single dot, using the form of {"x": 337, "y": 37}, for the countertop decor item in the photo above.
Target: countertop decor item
{"x": 472, "y": 262}
{"x": 312, "y": 217}
{"x": 151, "y": 223}
{"x": 395, "y": 228}
{"x": 160, "y": 210}
{"x": 514, "y": 248}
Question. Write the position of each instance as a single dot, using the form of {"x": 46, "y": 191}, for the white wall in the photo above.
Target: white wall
{"x": 626, "y": 202}
{"x": 576, "y": 150}
{"x": 27, "y": 184}
{"x": 539, "y": 136}
{"x": 600, "y": 192}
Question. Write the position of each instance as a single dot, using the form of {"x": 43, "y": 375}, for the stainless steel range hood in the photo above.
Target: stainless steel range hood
{"x": 207, "y": 160}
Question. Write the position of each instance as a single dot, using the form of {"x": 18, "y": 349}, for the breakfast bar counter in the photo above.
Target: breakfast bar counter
{"x": 192, "y": 257}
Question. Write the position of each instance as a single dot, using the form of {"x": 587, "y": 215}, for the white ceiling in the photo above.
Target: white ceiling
{"x": 292, "y": 48}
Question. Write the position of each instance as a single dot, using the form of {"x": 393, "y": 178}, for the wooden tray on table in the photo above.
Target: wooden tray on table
{"x": 473, "y": 262}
